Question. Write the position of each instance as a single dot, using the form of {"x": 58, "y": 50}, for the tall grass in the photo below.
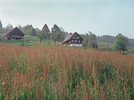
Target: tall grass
{"x": 58, "y": 73}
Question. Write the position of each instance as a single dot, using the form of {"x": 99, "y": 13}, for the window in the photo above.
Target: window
{"x": 72, "y": 41}
{"x": 77, "y": 37}
{"x": 74, "y": 37}
{"x": 79, "y": 41}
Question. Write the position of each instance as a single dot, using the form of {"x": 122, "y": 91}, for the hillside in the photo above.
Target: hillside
{"x": 107, "y": 39}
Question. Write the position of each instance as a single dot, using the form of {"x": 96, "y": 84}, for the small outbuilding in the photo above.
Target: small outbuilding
{"x": 15, "y": 34}
{"x": 73, "y": 40}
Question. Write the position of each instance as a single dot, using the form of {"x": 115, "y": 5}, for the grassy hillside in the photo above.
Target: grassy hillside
{"x": 58, "y": 73}
{"x": 29, "y": 40}
{"x": 107, "y": 39}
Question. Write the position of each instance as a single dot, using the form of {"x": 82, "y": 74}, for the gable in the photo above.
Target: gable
{"x": 76, "y": 36}
{"x": 73, "y": 39}
{"x": 16, "y": 32}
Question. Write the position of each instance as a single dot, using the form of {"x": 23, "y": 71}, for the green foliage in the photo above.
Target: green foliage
{"x": 30, "y": 40}
{"x": 50, "y": 92}
{"x": 33, "y": 31}
{"x": 90, "y": 40}
{"x": 28, "y": 29}
{"x": 53, "y": 73}
{"x": 17, "y": 42}
{"x": 106, "y": 72}
{"x": 56, "y": 32}
{"x": 75, "y": 77}
{"x": 45, "y": 32}
{"x": 33, "y": 94}
{"x": 24, "y": 96}
{"x": 56, "y": 29}
{"x": 130, "y": 51}
{"x": 57, "y": 35}
{"x": 121, "y": 42}
{"x": 120, "y": 46}
{"x": 1, "y": 93}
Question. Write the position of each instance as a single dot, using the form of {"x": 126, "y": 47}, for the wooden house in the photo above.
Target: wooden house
{"x": 73, "y": 40}
{"x": 15, "y": 34}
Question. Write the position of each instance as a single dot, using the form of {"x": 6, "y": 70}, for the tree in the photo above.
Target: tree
{"x": 56, "y": 33}
{"x": 93, "y": 40}
{"x": 1, "y": 28}
{"x": 39, "y": 34}
{"x": 0, "y": 24}
{"x": 20, "y": 27}
{"x": 55, "y": 29}
{"x": 86, "y": 39}
{"x": 46, "y": 32}
{"x": 121, "y": 42}
{"x": 8, "y": 28}
{"x": 33, "y": 31}
{"x": 45, "y": 29}
{"x": 90, "y": 40}
{"x": 28, "y": 29}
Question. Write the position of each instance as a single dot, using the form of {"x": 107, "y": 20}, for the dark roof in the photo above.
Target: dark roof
{"x": 14, "y": 31}
{"x": 70, "y": 36}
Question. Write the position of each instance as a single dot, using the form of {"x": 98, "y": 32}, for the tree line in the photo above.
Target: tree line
{"x": 58, "y": 34}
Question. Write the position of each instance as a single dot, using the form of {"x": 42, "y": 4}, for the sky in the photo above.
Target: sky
{"x": 102, "y": 17}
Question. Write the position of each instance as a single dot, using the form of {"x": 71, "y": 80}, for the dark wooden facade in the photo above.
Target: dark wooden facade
{"x": 15, "y": 34}
{"x": 73, "y": 39}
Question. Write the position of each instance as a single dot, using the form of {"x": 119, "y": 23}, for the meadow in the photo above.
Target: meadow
{"x": 63, "y": 73}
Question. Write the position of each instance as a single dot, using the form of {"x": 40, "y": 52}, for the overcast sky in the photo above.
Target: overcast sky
{"x": 99, "y": 16}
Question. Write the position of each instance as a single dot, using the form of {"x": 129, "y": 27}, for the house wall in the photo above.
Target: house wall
{"x": 76, "y": 39}
{"x": 75, "y": 45}
{"x": 13, "y": 37}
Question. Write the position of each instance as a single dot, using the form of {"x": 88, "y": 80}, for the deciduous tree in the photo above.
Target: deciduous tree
{"x": 56, "y": 33}
{"x": 90, "y": 40}
{"x": 121, "y": 42}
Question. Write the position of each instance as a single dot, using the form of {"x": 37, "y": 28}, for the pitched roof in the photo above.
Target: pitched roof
{"x": 70, "y": 36}
{"x": 14, "y": 31}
